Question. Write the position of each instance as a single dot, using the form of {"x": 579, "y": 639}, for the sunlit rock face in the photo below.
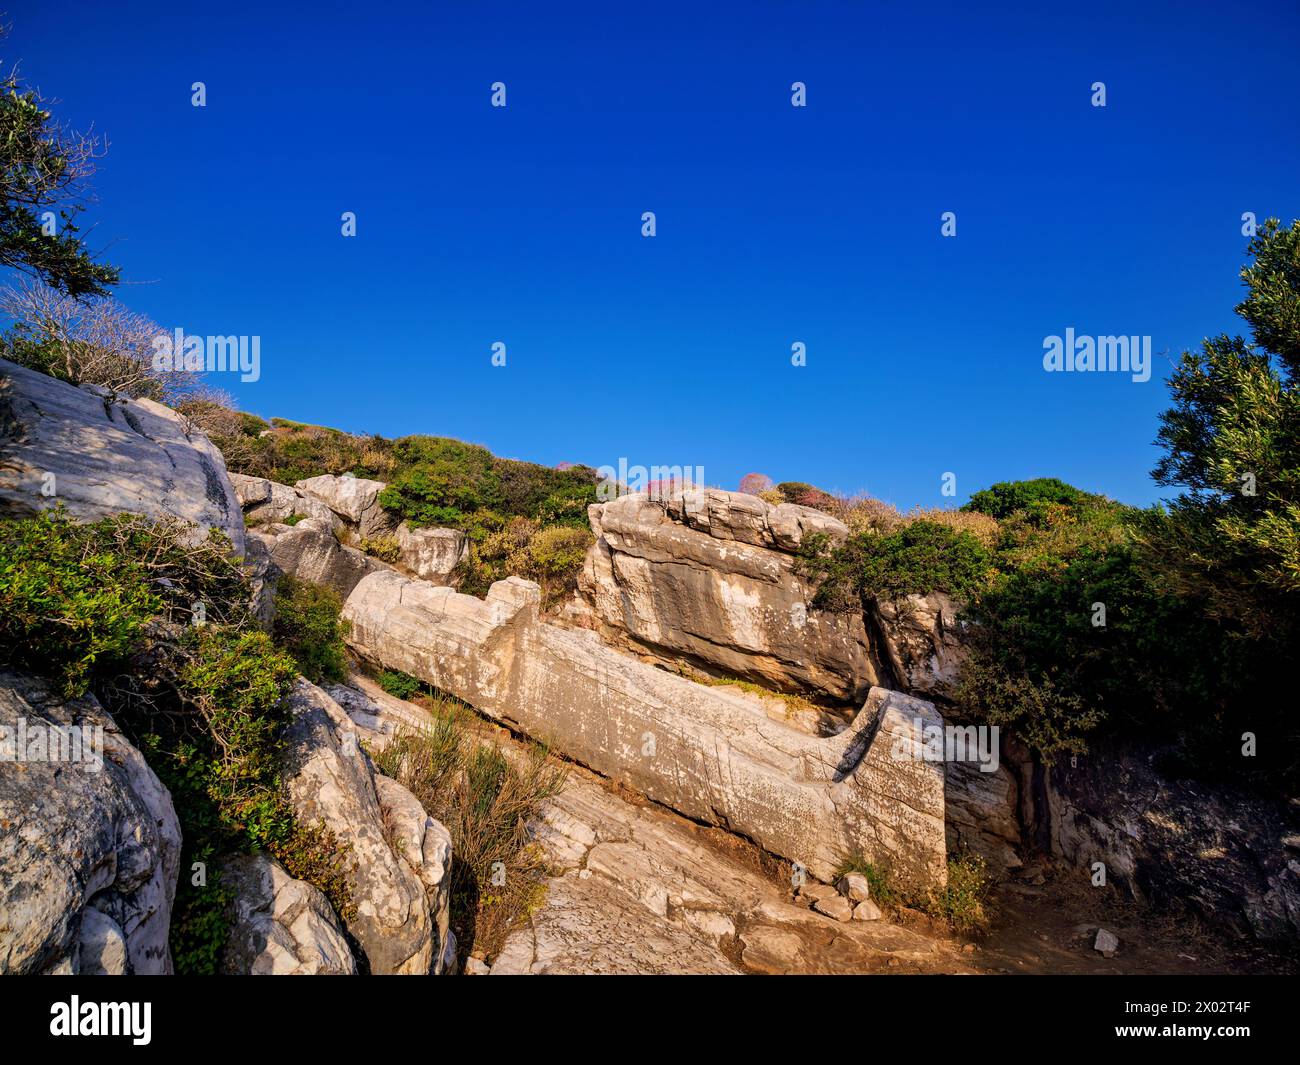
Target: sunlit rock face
{"x": 99, "y": 456}
{"x": 707, "y": 579}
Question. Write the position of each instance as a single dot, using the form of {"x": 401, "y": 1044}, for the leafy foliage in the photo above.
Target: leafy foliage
{"x": 109, "y": 607}
{"x": 399, "y": 684}
{"x": 75, "y": 600}
{"x": 457, "y": 485}
{"x": 308, "y": 627}
{"x": 552, "y": 556}
{"x": 919, "y": 558}
{"x": 1027, "y": 498}
{"x": 44, "y": 169}
{"x": 1232, "y": 440}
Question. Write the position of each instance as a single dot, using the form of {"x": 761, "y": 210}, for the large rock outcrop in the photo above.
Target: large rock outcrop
{"x": 638, "y": 889}
{"x": 89, "y": 849}
{"x": 706, "y": 578}
{"x": 100, "y": 456}
{"x": 354, "y": 499}
{"x": 712, "y": 753}
{"x": 398, "y": 860}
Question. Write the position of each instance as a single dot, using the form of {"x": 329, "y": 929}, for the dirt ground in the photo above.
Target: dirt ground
{"x": 1050, "y": 928}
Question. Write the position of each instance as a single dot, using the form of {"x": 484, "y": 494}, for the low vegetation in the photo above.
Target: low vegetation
{"x": 550, "y": 555}
{"x": 401, "y": 685}
{"x": 918, "y": 558}
{"x": 486, "y": 801}
{"x": 963, "y": 903}
{"x": 308, "y": 627}
{"x": 158, "y": 628}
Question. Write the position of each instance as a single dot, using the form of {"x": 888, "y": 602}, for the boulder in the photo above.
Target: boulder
{"x": 837, "y": 908}
{"x": 99, "y": 456}
{"x": 103, "y": 945}
{"x": 431, "y": 554}
{"x": 280, "y": 926}
{"x": 311, "y": 552}
{"x": 269, "y": 503}
{"x": 854, "y": 886}
{"x": 354, "y": 499}
{"x": 90, "y": 848}
{"x": 708, "y": 579}
{"x": 331, "y": 782}
{"x": 424, "y": 847}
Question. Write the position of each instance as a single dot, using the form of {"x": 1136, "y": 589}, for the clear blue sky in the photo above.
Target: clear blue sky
{"x": 775, "y": 224}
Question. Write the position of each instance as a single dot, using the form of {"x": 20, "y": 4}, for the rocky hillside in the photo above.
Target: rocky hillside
{"x": 750, "y": 784}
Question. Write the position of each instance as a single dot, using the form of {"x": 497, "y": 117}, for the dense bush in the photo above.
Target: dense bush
{"x": 552, "y": 556}
{"x": 158, "y": 628}
{"x": 399, "y": 684}
{"x": 1040, "y": 662}
{"x": 441, "y": 481}
{"x": 384, "y": 548}
{"x": 308, "y": 627}
{"x": 454, "y": 484}
{"x": 1232, "y": 442}
{"x": 1005, "y": 498}
{"x": 921, "y": 557}
{"x": 288, "y": 452}
{"x": 75, "y": 600}
{"x": 1078, "y": 641}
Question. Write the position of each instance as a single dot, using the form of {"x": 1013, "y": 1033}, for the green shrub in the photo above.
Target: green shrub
{"x": 552, "y": 556}
{"x": 1005, "y": 498}
{"x": 75, "y": 599}
{"x": 290, "y": 451}
{"x": 442, "y": 481}
{"x": 963, "y": 902}
{"x": 109, "y": 607}
{"x": 308, "y": 627}
{"x": 919, "y": 558}
{"x": 399, "y": 684}
{"x": 1042, "y": 664}
{"x": 384, "y": 548}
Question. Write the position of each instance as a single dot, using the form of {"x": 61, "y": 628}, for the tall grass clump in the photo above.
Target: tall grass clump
{"x": 487, "y": 801}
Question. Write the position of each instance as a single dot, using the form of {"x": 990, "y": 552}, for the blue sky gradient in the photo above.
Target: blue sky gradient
{"x": 775, "y": 224}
